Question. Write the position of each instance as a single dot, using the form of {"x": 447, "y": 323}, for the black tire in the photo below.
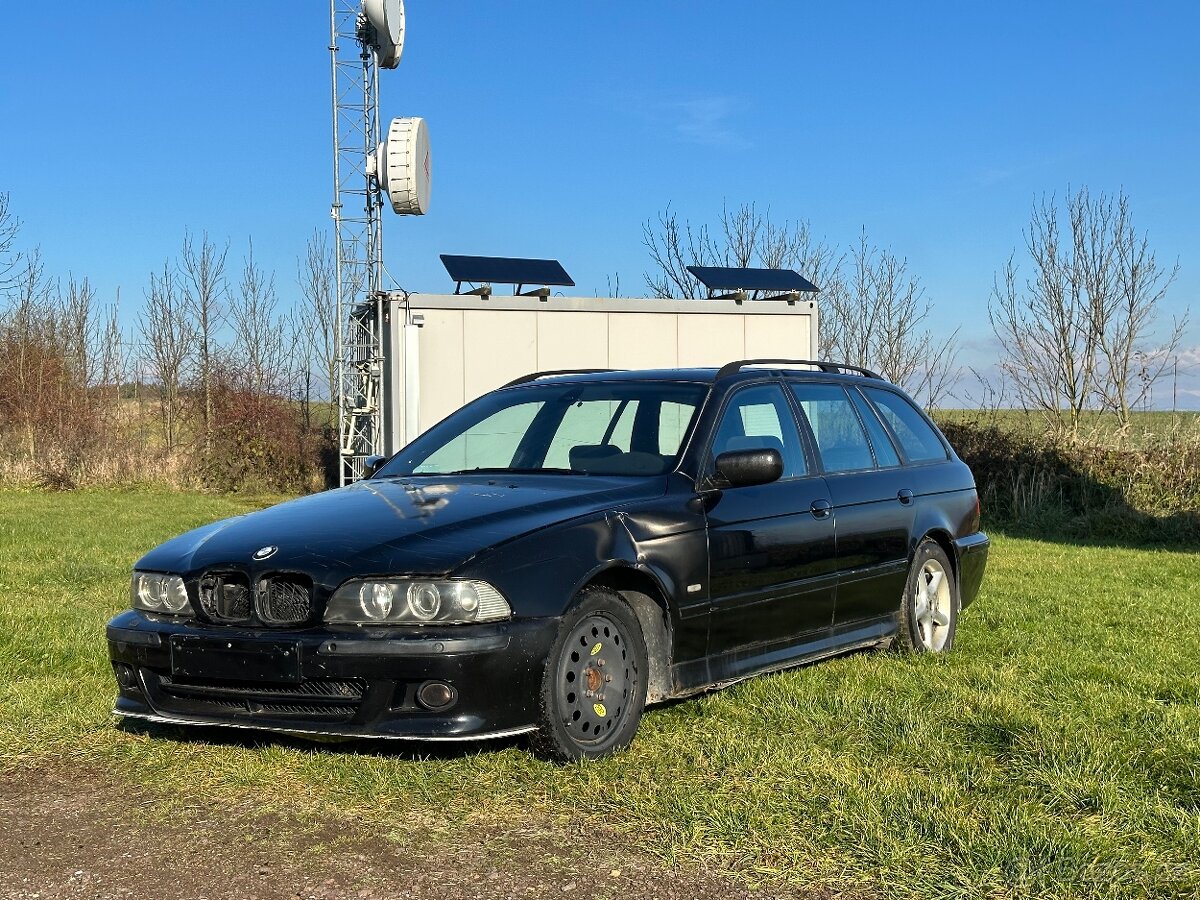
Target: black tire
{"x": 594, "y": 686}
{"x": 927, "y": 627}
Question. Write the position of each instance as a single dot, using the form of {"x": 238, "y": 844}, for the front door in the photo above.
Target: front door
{"x": 771, "y": 546}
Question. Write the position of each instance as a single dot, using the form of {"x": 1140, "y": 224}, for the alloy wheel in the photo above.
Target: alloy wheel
{"x": 932, "y": 605}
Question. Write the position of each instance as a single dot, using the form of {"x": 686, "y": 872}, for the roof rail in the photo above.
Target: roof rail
{"x": 832, "y": 368}
{"x": 534, "y": 376}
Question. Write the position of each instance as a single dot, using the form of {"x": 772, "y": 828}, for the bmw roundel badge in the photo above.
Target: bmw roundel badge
{"x": 265, "y": 552}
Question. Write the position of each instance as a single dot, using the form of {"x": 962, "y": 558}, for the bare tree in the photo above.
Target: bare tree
{"x": 50, "y": 340}
{"x": 877, "y": 315}
{"x": 317, "y": 276}
{"x": 612, "y": 285}
{"x": 1044, "y": 324}
{"x": 262, "y": 337}
{"x": 746, "y": 237}
{"x": 28, "y": 369}
{"x": 1075, "y": 333}
{"x": 202, "y": 272}
{"x": 76, "y": 327}
{"x": 674, "y": 246}
{"x": 874, "y": 312}
{"x": 1132, "y": 364}
{"x": 88, "y": 339}
{"x": 10, "y": 260}
{"x": 170, "y": 337}
{"x": 111, "y": 360}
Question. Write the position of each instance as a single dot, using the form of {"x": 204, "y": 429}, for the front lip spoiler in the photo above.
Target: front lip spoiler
{"x": 184, "y": 720}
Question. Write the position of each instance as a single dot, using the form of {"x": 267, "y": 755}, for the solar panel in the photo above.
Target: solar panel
{"x": 506, "y": 270}
{"x": 779, "y": 281}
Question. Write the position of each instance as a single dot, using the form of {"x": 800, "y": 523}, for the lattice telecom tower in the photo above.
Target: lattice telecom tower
{"x": 366, "y": 36}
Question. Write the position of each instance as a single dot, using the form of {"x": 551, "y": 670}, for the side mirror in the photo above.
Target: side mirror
{"x": 373, "y": 465}
{"x": 743, "y": 468}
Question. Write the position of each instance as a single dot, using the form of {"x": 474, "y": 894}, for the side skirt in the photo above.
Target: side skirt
{"x": 743, "y": 663}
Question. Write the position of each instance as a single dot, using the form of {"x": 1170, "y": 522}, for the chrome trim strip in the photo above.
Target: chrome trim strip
{"x": 180, "y": 720}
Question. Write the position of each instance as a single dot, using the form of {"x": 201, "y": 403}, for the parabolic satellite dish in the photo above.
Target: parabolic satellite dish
{"x": 403, "y": 166}
{"x": 386, "y": 18}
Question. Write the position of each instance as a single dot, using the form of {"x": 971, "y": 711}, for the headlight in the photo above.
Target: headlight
{"x": 160, "y": 594}
{"x": 407, "y": 601}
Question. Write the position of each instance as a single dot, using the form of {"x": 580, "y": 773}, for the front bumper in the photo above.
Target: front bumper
{"x": 972, "y": 552}
{"x": 333, "y": 681}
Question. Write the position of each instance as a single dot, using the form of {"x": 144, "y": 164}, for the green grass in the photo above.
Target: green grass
{"x": 1055, "y": 753}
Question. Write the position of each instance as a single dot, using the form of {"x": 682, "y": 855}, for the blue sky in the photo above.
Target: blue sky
{"x": 558, "y": 128}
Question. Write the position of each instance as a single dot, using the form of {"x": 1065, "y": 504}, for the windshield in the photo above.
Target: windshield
{"x": 633, "y": 428}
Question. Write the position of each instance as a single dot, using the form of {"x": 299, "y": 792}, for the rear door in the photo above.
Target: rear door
{"x": 771, "y": 558}
{"x": 872, "y": 499}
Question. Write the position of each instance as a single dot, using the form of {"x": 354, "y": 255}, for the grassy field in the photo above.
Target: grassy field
{"x": 1055, "y": 753}
{"x": 1094, "y": 427}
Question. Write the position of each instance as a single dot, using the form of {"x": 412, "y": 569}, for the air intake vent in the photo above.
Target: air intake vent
{"x": 284, "y": 600}
{"x": 225, "y": 597}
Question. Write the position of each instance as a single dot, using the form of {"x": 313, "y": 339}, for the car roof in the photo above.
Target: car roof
{"x": 694, "y": 375}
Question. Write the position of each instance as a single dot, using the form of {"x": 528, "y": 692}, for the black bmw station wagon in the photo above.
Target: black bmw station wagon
{"x": 561, "y": 552}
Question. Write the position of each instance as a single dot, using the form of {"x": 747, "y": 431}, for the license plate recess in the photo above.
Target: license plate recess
{"x": 235, "y": 660}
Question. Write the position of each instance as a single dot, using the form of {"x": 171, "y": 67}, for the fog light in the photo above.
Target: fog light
{"x": 436, "y": 695}
{"x": 126, "y": 676}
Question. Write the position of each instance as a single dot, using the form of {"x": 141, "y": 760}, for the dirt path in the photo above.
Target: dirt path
{"x": 86, "y": 835}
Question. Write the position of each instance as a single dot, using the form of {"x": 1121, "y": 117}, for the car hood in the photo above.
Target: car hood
{"x": 394, "y": 526}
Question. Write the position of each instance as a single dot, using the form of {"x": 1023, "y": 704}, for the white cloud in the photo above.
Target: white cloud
{"x": 1189, "y": 357}
{"x": 707, "y": 121}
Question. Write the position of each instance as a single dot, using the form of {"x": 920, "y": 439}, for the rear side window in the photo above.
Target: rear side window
{"x": 885, "y": 453}
{"x": 841, "y": 441}
{"x": 918, "y": 440}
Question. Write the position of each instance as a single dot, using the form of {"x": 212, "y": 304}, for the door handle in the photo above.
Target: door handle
{"x": 820, "y": 508}
{"x": 905, "y": 496}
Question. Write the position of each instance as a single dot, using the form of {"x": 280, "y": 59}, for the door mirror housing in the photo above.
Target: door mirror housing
{"x": 372, "y": 465}
{"x": 743, "y": 468}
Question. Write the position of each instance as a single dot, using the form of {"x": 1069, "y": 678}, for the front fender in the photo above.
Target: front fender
{"x": 541, "y": 572}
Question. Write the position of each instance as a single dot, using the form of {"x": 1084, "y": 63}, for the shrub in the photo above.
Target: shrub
{"x": 1087, "y": 488}
{"x": 260, "y": 442}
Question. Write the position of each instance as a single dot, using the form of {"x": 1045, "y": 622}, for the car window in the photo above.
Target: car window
{"x": 918, "y": 440}
{"x": 602, "y": 428}
{"x": 489, "y": 444}
{"x": 673, "y": 421}
{"x": 885, "y": 453}
{"x": 759, "y": 417}
{"x": 607, "y": 423}
{"x": 841, "y": 441}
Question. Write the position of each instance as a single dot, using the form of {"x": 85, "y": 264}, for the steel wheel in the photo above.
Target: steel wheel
{"x": 594, "y": 683}
{"x": 595, "y": 678}
{"x": 933, "y": 604}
